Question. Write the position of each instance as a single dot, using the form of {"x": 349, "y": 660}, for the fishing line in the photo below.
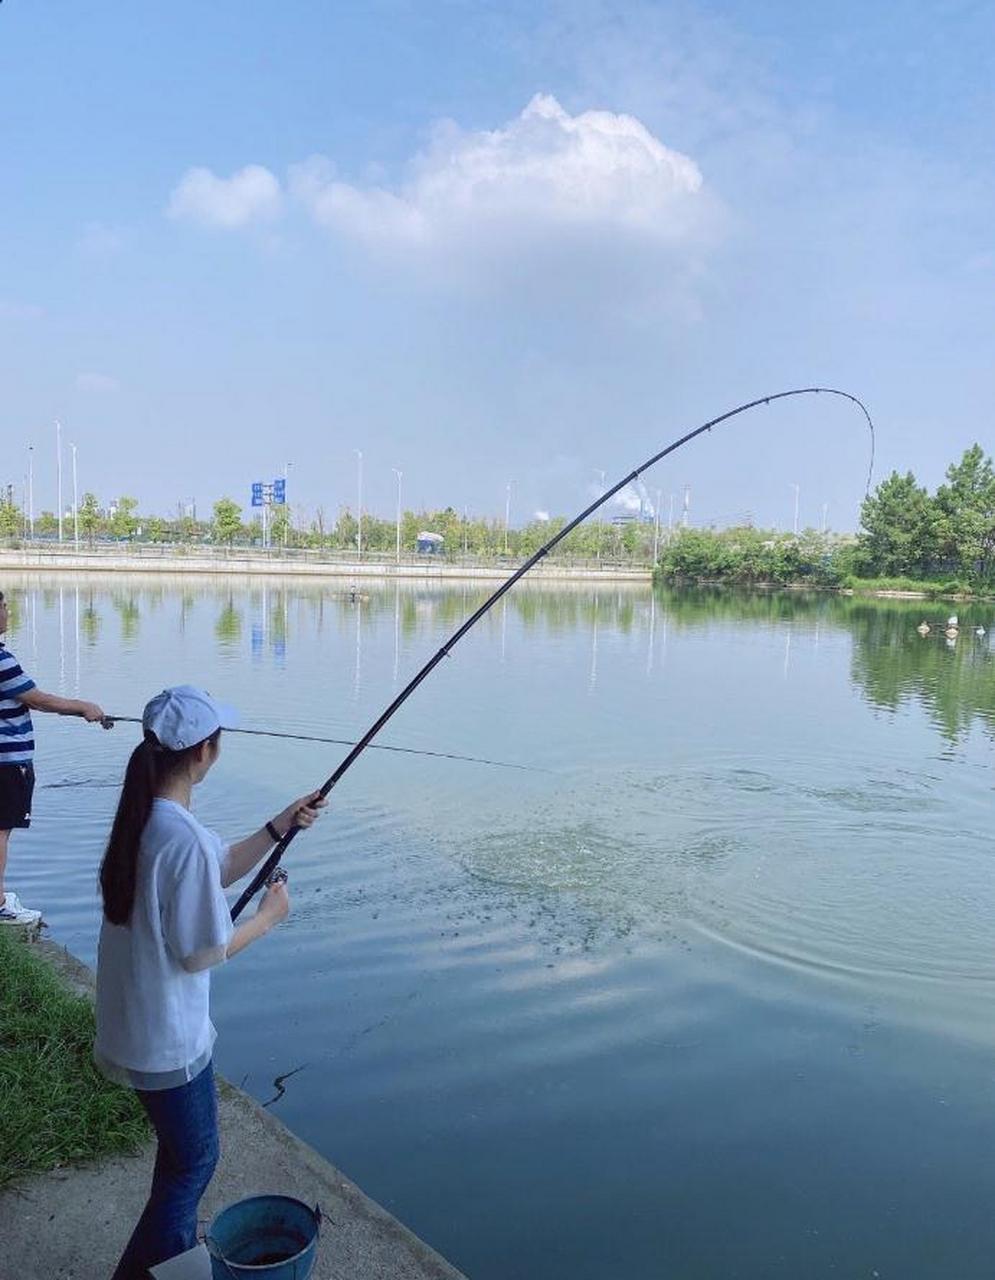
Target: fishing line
{"x": 348, "y": 742}
{"x": 273, "y": 861}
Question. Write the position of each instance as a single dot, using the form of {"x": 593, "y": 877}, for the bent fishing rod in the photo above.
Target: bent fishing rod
{"x": 273, "y": 860}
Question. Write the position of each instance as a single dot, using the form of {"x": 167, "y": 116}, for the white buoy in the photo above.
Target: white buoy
{"x": 979, "y": 631}
{"x": 923, "y": 628}
{"x": 952, "y": 620}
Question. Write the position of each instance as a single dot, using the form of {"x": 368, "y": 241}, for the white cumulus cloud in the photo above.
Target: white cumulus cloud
{"x": 251, "y": 194}
{"x": 545, "y": 168}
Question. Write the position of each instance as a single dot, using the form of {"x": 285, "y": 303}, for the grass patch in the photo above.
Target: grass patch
{"x": 56, "y": 1107}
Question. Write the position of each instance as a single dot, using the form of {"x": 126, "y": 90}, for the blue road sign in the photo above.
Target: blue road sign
{"x": 279, "y": 491}
{"x": 257, "y": 494}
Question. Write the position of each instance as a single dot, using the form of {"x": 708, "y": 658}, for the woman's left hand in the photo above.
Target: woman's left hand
{"x": 303, "y": 812}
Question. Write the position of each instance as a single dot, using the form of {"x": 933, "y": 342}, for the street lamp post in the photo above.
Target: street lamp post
{"x": 359, "y": 505}
{"x": 58, "y": 463}
{"x": 75, "y": 502}
{"x": 398, "y": 548}
{"x": 797, "y": 491}
{"x": 507, "y": 515}
{"x": 656, "y": 526}
{"x": 31, "y": 490}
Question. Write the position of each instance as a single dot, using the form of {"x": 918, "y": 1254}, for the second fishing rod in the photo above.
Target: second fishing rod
{"x": 273, "y": 860}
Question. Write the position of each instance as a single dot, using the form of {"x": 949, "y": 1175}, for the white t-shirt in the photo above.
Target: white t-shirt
{"x": 154, "y": 1028}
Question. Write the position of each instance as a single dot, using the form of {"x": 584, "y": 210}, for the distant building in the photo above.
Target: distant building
{"x": 631, "y": 517}
{"x": 430, "y": 544}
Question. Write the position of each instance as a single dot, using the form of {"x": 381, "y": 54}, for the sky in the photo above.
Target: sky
{"x": 493, "y": 244}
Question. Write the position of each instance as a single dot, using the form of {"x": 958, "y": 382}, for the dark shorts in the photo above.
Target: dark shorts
{"x": 17, "y": 784}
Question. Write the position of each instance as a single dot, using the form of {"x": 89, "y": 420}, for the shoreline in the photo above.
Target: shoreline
{"x": 96, "y": 1203}
{"x": 249, "y": 564}
{"x": 880, "y": 593}
{"x": 155, "y": 562}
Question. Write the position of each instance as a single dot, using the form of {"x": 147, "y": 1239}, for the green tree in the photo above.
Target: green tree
{"x": 346, "y": 529}
{"x": 89, "y": 517}
{"x": 156, "y": 528}
{"x": 227, "y": 524}
{"x": 11, "y": 518}
{"x": 410, "y": 528}
{"x": 124, "y": 521}
{"x": 965, "y": 508}
{"x": 899, "y": 528}
{"x": 47, "y": 523}
{"x": 279, "y": 525}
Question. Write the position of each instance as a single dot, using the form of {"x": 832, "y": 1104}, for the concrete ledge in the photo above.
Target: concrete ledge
{"x": 246, "y": 564}
{"x": 72, "y": 1224}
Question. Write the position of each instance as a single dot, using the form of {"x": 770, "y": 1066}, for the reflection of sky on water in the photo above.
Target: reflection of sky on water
{"x": 766, "y": 832}
{"x": 678, "y": 789}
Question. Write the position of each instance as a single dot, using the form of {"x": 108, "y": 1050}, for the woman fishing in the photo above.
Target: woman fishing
{"x": 166, "y": 925}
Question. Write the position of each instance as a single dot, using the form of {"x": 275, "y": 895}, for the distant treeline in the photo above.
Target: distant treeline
{"x": 908, "y": 537}
{"x": 462, "y": 534}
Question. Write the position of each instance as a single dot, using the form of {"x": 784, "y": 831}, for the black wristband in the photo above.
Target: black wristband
{"x": 273, "y": 833}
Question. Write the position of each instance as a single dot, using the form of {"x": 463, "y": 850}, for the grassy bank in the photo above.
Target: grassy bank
{"x": 56, "y": 1107}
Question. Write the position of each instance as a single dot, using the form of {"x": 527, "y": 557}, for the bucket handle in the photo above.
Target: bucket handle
{"x": 215, "y": 1252}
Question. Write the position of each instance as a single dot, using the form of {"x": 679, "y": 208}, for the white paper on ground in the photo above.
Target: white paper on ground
{"x": 195, "y": 1264}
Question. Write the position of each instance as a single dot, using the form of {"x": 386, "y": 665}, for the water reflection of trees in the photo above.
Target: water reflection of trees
{"x": 228, "y": 625}
{"x": 128, "y": 608}
{"x": 89, "y": 621}
{"x": 695, "y": 606}
{"x": 891, "y": 665}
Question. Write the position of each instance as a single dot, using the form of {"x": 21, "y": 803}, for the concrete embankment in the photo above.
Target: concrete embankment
{"x": 72, "y": 1224}
{"x": 247, "y": 564}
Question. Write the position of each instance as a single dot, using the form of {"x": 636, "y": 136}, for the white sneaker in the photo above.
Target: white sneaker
{"x": 13, "y": 911}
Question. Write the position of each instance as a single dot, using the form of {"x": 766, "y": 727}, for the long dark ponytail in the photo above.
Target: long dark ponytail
{"x": 150, "y": 767}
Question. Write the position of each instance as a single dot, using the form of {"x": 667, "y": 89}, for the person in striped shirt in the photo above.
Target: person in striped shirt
{"x": 19, "y": 696}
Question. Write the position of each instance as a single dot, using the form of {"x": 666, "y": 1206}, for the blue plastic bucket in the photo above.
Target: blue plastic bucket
{"x": 271, "y": 1237}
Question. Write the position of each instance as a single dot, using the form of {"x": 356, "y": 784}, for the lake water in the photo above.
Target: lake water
{"x": 705, "y": 993}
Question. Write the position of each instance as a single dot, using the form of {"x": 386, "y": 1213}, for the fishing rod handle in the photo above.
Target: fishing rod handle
{"x": 264, "y": 873}
{"x": 262, "y": 876}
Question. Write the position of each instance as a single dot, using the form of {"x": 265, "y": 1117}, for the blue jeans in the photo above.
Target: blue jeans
{"x": 186, "y": 1123}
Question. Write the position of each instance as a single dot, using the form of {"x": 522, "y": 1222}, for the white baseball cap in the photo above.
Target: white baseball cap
{"x": 183, "y": 716}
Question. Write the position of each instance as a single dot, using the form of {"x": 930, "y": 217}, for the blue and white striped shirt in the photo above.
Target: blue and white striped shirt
{"x": 17, "y": 742}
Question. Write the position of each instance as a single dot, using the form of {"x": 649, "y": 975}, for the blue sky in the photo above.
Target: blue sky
{"x": 494, "y": 242}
